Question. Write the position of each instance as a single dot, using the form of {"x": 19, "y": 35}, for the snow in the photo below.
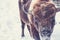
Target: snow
{"x": 10, "y": 25}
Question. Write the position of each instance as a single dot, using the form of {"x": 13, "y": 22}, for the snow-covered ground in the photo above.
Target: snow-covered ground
{"x": 10, "y": 26}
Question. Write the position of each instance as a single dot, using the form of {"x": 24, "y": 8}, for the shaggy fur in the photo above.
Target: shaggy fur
{"x": 44, "y": 14}
{"x": 41, "y": 21}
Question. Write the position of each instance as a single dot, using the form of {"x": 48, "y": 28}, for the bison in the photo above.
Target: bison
{"x": 39, "y": 15}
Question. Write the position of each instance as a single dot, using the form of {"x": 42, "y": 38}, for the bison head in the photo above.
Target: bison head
{"x": 44, "y": 19}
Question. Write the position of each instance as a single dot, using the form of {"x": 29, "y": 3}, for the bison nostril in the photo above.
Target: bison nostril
{"x": 45, "y": 33}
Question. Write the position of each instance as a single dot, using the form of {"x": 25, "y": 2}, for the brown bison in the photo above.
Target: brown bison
{"x": 39, "y": 15}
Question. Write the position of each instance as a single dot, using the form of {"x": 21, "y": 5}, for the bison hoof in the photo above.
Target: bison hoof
{"x": 22, "y": 35}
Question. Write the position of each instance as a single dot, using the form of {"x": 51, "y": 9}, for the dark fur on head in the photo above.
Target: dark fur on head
{"x": 45, "y": 13}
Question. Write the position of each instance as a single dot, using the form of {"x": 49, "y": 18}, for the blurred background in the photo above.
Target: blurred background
{"x": 10, "y": 25}
{"x": 57, "y": 3}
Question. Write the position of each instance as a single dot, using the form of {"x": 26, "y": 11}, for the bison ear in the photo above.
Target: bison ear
{"x": 57, "y": 9}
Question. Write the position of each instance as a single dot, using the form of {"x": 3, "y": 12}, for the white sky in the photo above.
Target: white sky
{"x": 10, "y": 28}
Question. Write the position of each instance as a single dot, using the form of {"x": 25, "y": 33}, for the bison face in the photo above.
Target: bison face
{"x": 46, "y": 29}
{"x": 46, "y": 21}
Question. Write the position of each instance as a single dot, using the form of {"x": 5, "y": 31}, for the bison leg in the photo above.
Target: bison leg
{"x": 28, "y": 28}
{"x": 35, "y": 33}
{"x": 22, "y": 25}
